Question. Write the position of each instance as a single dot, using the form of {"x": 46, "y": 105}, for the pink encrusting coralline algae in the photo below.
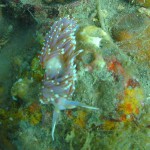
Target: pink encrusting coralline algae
{"x": 57, "y": 58}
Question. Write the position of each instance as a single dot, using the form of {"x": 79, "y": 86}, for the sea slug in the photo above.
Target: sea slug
{"x": 57, "y": 59}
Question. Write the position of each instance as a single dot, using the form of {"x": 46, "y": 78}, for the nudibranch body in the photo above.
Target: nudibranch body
{"x": 57, "y": 59}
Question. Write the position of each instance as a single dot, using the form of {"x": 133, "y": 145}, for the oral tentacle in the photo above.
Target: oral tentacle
{"x": 54, "y": 121}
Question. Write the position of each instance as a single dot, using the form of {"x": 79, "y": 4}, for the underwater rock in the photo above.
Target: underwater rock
{"x": 5, "y": 142}
{"x": 5, "y": 77}
{"x": 57, "y": 1}
{"x": 144, "y": 3}
{"x": 131, "y": 32}
{"x": 144, "y": 11}
{"x": 47, "y": 1}
{"x": 25, "y": 90}
{"x": 21, "y": 10}
{"x": 34, "y": 113}
{"x": 131, "y": 104}
{"x": 5, "y": 34}
{"x": 128, "y": 26}
{"x": 90, "y": 35}
{"x": 89, "y": 39}
{"x": 2, "y": 90}
{"x": 36, "y": 69}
